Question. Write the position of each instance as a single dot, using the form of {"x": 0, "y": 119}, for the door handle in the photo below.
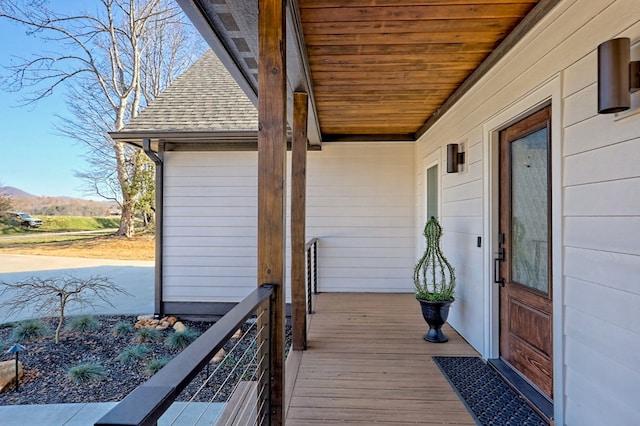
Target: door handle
{"x": 496, "y": 268}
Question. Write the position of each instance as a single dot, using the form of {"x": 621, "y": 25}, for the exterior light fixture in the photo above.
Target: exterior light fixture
{"x": 454, "y": 158}
{"x": 16, "y": 349}
{"x": 617, "y": 76}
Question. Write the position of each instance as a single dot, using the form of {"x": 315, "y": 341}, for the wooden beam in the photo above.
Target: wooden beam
{"x": 298, "y": 223}
{"x": 272, "y": 137}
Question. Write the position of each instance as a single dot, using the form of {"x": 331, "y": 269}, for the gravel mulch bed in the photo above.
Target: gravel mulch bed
{"x": 46, "y": 364}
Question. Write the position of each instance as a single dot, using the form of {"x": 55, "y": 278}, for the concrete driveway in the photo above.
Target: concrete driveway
{"x": 136, "y": 276}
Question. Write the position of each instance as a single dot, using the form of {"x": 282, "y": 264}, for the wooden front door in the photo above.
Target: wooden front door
{"x": 525, "y": 250}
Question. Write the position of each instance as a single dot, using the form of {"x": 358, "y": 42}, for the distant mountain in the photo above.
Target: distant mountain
{"x": 15, "y": 192}
{"x": 58, "y": 206}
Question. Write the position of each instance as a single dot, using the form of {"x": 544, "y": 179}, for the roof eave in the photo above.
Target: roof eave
{"x": 208, "y": 30}
{"x": 232, "y": 140}
{"x": 299, "y": 74}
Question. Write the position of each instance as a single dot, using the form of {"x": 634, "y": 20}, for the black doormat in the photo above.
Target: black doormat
{"x": 488, "y": 398}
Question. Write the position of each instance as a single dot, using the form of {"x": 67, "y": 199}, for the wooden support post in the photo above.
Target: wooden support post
{"x": 298, "y": 214}
{"x": 272, "y": 150}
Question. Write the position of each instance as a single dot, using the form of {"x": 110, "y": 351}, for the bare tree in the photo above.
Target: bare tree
{"x": 51, "y": 296}
{"x": 5, "y": 201}
{"x": 113, "y": 61}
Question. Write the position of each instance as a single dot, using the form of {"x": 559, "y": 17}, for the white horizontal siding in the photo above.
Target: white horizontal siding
{"x": 614, "y": 234}
{"x": 600, "y": 205}
{"x": 595, "y": 165}
{"x": 186, "y": 211}
{"x": 612, "y": 198}
{"x": 210, "y": 226}
{"x": 359, "y": 203}
{"x": 184, "y": 251}
{"x": 591, "y": 404}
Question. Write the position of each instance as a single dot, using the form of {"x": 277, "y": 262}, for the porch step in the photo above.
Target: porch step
{"x": 192, "y": 414}
{"x": 241, "y": 409}
{"x": 83, "y": 414}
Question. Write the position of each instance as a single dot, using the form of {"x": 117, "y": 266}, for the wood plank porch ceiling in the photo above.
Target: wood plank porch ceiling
{"x": 384, "y": 67}
{"x": 374, "y": 69}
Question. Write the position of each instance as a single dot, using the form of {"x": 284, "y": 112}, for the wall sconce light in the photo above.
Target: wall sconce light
{"x": 617, "y": 76}
{"x": 454, "y": 158}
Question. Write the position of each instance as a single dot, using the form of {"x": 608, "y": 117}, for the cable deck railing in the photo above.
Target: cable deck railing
{"x": 246, "y": 387}
{"x": 311, "y": 250}
{"x": 247, "y": 363}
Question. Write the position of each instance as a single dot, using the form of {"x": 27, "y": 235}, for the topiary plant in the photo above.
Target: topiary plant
{"x": 434, "y": 277}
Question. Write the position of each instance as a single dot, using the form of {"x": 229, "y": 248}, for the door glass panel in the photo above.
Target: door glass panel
{"x": 529, "y": 221}
{"x": 432, "y": 192}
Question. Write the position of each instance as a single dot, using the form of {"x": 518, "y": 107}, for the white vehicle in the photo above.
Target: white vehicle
{"x": 26, "y": 219}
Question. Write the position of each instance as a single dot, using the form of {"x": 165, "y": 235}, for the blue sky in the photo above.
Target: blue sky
{"x": 32, "y": 156}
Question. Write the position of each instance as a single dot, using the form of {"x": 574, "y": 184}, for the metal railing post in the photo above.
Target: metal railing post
{"x": 315, "y": 267}
{"x": 265, "y": 325}
{"x": 309, "y": 277}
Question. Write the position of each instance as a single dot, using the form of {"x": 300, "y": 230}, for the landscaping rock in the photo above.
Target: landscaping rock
{"x": 8, "y": 374}
{"x": 219, "y": 356}
{"x": 179, "y": 327}
{"x": 145, "y": 317}
{"x": 158, "y": 324}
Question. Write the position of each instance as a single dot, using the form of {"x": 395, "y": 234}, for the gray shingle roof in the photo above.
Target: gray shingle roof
{"x": 205, "y": 98}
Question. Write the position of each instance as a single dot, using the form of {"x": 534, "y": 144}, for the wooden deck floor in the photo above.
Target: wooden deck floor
{"x": 367, "y": 363}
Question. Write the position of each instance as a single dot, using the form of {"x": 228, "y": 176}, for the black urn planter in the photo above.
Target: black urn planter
{"x": 435, "y": 314}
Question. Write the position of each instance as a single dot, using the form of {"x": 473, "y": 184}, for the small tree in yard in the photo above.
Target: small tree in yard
{"x": 51, "y": 296}
{"x": 5, "y": 200}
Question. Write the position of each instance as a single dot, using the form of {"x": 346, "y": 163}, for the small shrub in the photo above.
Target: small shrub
{"x": 181, "y": 339}
{"x": 132, "y": 354}
{"x": 29, "y": 330}
{"x": 86, "y": 373}
{"x": 83, "y": 324}
{"x": 7, "y": 325}
{"x": 156, "y": 364}
{"x": 122, "y": 328}
{"x": 146, "y": 335}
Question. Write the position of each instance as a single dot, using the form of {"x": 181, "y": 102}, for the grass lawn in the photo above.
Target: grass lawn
{"x": 9, "y": 226}
{"x": 140, "y": 247}
{"x": 50, "y": 239}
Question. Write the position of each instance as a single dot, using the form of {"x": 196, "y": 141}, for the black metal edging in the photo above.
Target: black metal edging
{"x": 146, "y": 403}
